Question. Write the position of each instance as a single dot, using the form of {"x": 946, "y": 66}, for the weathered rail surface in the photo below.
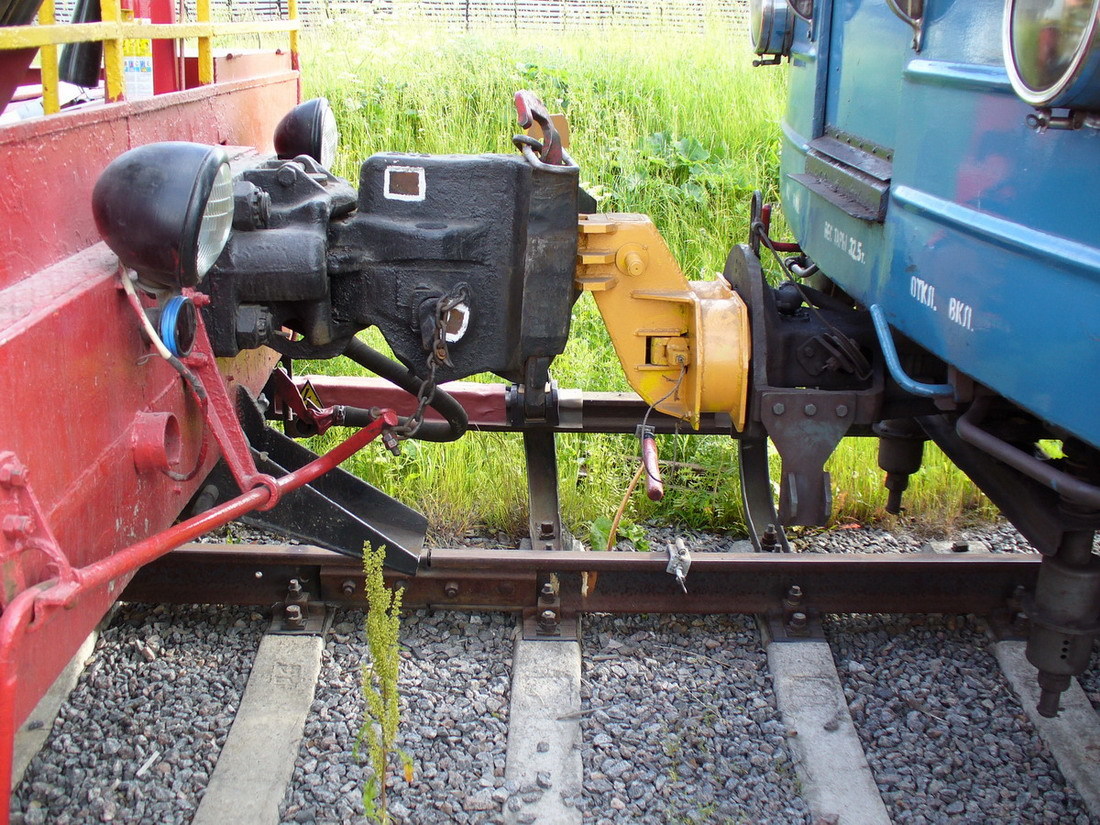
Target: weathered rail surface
{"x": 617, "y": 582}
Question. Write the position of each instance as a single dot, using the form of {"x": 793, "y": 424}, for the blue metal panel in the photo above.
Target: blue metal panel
{"x": 989, "y": 255}
{"x": 868, "y": 49}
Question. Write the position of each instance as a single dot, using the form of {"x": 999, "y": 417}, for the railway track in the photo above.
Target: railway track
{"x": 664, "y": 717}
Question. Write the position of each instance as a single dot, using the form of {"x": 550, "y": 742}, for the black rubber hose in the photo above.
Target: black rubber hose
{"x": 451, "y": 429}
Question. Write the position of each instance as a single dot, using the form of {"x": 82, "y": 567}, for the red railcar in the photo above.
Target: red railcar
{"x": 101, "y": 445}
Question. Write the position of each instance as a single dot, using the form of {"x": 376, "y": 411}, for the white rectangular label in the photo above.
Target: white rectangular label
{"x": 404, "y": 183}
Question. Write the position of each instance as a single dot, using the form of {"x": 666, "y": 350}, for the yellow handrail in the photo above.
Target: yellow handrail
{"x": 50, "y": 78}
{"x": 48, "y": 34}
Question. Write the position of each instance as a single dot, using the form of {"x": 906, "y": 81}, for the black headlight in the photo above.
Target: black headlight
{"x": 308, "y": 129}
{"x": 166, "y": 210}
{"x": 1051, "y": 54}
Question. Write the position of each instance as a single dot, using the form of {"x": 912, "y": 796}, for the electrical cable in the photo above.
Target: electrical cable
{"x": 190, "y": 380}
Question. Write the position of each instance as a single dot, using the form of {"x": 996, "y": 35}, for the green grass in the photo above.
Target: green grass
{"x": 678, "y": 126}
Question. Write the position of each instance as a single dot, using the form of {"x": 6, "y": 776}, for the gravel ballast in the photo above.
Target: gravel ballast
{"x": 945, "y": 736}
{"x": 139, "y": 736}
{"x": 455, "y": 674}
{"x": 681, "y": 725}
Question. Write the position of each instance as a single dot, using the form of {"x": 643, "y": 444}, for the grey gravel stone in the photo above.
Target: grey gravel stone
{"x": 944, "y": 734}
{"x": 454, "y": 682}
{"x": 128, "y": 711}
{"x": 671, "y": 732}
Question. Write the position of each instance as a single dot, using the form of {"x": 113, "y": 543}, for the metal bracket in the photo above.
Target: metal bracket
{"x": 547, "y": 622}
{"x": 298, "y": 616}
{"x": 23, "y": 529}
{"x": 806, "y": 426}
{"x": 679, "y": 562}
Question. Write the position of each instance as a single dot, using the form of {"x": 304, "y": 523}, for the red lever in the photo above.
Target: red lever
{"x": 531, "y": 110}
{"x": 654, "y": 487}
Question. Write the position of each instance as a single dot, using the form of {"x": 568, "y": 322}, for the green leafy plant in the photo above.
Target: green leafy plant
{"x": 379, "y": 730}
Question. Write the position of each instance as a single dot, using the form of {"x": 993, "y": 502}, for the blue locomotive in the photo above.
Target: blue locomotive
{"x": 937, "y": 173}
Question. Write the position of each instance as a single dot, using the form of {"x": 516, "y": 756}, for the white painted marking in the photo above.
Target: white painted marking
{"x": 923, "y": 292}
{"x": 404, "y": 183}
{"x": 849, "y": 244}
{"x": 961, "y": 313}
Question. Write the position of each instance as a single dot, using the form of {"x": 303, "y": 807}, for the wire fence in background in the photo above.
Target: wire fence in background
{"x": 674, "y": 15}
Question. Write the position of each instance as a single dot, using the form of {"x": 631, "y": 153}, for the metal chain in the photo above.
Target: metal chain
{"x": 438, "y": 356}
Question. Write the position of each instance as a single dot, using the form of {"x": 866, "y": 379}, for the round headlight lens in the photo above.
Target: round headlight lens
{"x": 771, "y": 27}
{"x": 1050, "y": 54}
{"x": 217, "y": 220}
{"x": 166, "y": 210}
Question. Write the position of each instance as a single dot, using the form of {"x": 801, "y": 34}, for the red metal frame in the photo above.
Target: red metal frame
{"x": 101, "y": 445}
{"x": 27, "y": 622}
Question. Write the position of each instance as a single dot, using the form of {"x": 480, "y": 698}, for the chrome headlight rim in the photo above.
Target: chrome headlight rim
{"x": 771, "y": 27}
{"x": 1077, "y": 86}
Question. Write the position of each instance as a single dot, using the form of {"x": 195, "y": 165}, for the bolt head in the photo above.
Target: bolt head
{"x": 17, "y": 526}
{"x": 293, "y": 611}
{"x": 13, "y": 474}
{"x": 810, "y": 409}
{"x": 549, "y": 616}
{"x": 779, "y": 409}
{"x": 450, "y": 589}
{"x": 841, "y": 410}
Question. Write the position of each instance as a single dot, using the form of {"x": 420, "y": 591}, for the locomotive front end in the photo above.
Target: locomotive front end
{"x": 933, "y": 159}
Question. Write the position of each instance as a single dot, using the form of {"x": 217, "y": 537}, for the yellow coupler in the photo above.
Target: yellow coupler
{"x": 684, "y": 345}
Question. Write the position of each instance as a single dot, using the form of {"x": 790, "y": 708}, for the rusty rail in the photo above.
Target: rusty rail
{"x": 626, "y": 583}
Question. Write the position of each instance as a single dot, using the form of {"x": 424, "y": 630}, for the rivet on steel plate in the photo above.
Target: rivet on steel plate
{"x": 810, "y": 409}
{"x": 17, "y": 526}
{"x": 13, "y": 474}
{"x": 778, "y": 409}
{"x": 841, "y": 410}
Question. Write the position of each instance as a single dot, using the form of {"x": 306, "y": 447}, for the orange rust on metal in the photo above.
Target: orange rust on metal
{"x": 629, "y": 582}
{"x": 684, "y": 345}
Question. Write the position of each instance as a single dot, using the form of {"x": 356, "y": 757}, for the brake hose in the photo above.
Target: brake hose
{"x": 456, "y": 420}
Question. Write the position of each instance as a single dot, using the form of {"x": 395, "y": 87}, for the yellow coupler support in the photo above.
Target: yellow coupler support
{"x": 665, "y": 329}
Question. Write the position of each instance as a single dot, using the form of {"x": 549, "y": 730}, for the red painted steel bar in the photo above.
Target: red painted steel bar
{"x": 33, "y": 604}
